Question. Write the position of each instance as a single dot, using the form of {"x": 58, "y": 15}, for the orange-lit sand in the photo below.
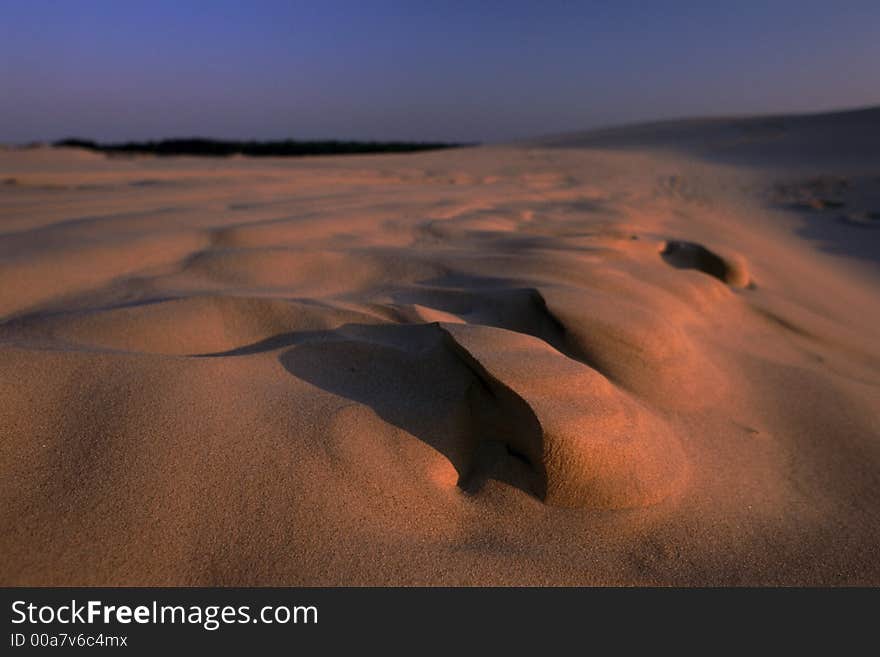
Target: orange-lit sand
{"x": 644, "y": 356}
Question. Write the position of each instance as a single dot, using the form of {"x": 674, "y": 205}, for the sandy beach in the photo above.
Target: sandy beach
{"x": 646, "y": 355}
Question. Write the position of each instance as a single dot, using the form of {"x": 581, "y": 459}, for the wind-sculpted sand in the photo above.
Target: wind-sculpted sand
{"x": 569, "y": 361}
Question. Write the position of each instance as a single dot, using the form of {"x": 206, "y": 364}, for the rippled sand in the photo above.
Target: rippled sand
{"x": 648, "y": 356}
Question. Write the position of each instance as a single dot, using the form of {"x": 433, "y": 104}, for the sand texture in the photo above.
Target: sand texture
{"x": 648, "y": 355}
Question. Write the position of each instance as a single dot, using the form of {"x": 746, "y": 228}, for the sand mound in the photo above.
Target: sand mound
{"x": 191, "y": 325}
{"x": 589, "y": 444}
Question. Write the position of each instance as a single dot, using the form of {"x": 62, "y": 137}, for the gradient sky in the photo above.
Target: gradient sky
{"x": 474, "y": 71}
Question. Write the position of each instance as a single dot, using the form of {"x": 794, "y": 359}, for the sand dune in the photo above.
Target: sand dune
{"x": 843, "y": 139}
{"x": 645, "y": 355}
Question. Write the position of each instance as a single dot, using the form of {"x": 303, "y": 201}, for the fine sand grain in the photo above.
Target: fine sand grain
{"x": 647, "y": 355}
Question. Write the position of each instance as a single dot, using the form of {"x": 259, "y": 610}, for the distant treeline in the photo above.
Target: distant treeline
{"x": 288, "y": 147}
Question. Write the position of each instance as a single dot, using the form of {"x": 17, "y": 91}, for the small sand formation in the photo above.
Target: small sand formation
{"x": 689, "y": 255}
{"x": 590, "y": 445}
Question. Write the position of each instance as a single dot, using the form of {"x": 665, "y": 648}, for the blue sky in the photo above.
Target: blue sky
{"x": 474, "y": 70}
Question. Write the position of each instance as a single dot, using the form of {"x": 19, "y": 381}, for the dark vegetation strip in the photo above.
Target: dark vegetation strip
{"x": 288, "y": 147}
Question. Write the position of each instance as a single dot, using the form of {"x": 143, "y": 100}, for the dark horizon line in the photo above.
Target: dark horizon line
{"x": 205, "y": 146}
